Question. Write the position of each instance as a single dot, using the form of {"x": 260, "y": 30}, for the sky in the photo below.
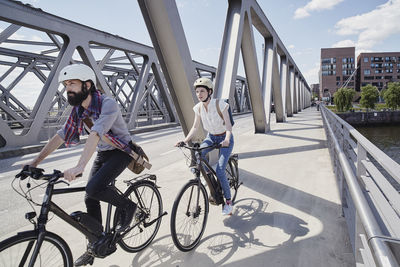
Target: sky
{"x": 304, "y": 26}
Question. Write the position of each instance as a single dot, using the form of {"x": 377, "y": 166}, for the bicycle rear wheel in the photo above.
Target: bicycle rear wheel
{"x": 232, "y": 175}
{"x": 189, "y": 216}
{"x": 17, "y": 250}
{"x": 149, "y": 207}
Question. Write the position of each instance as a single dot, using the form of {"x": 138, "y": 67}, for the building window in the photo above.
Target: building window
{"x": 389, "y": 70}
{"x": 328, "y": 67}
{"x": 337, "y": 78}
{"x": 388, "y": 77}
{"x": 378, "y": 71}
{"x": 367, "y": 72}
{"x": 328, "y": 72}
{"x": 346, "y": 72}
{"x": 348, "y": 60}
{"x": 387, "y": 59}
{"x": 330, "y": 60}
{"x": 365, "y": 59}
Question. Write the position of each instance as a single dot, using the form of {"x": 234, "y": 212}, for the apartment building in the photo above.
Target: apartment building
{"x": 377, "y": 69}
{"x": 315, "y": 89}
{"x": 337, "y": 69}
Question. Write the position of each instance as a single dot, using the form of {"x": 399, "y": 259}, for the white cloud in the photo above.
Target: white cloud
{"x": 311, "y": 75}
{"x": 344, "y": 43}
{"x": 291, "y": 46}
{"x": 373, "y": 27}
{"x": 315, "y": 5}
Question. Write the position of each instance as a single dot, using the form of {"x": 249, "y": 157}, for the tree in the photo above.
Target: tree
{"x": 392, "y": 95}
{"x": 369, "y": 96}
{"x": 343, "y": 99}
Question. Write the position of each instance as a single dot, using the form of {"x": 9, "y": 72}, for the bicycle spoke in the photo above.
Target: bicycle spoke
{"x": 189, "y": 216}
{"x": 17, "y": 251}
{"x": 149, "y": 202}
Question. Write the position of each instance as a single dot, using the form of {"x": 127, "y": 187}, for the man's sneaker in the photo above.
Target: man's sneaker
{"x": 227, "y": 209}
{"x": 85, "y": 259}
{"x": 126, "y": 217}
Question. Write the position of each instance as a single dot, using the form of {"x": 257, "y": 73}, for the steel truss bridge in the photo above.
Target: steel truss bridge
{"x": 33, "y": 105}
{"x": 154, "y": 86}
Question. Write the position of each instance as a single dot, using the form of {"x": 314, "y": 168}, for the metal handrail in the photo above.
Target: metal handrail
{"x": 380, "y": 250}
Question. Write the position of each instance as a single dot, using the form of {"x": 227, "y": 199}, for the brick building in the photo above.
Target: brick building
{"x": 377, "y": 69}
{"x": 337, "y": 69}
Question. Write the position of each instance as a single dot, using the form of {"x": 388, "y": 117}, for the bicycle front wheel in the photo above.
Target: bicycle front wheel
{"x": 232, "y": 176}
{"x": 17, "y": 250}
{"x": 149, "y": 207}
{"x": 189, "y": 216}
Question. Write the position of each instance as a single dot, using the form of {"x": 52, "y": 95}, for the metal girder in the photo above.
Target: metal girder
{"x": 289, "y": 95}
{"x": 285, "y": 85}
{"x": 70, "y": 42}
{"x": 130, "y": 72}
{"x": 261, "y": 124}
{"x": 166, "y": 32}
{"x": 165, "y": 28}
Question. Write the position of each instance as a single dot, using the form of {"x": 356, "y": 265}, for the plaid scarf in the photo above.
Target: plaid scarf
{"x": 74, "y": 125}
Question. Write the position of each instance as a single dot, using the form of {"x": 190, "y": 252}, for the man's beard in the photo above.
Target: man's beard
{"x": 76, "y": 99}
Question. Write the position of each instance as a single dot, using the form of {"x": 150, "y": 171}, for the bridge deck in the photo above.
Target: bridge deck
{"x": 287, "y": 211}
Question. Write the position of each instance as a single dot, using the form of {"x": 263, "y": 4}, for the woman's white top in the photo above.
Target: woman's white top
{"x": 211, "y": 120}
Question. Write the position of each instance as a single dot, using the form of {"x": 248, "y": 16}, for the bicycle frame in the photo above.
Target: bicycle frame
{"x": 213, "y": 184}
{"x": 49, "y": 206}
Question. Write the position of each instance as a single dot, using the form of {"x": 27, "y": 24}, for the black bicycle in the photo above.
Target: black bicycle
{"x": 191, "y": 206}
{"x": 40, "y": 247}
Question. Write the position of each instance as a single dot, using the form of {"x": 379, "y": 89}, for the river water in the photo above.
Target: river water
{"x": 387, "y": 139}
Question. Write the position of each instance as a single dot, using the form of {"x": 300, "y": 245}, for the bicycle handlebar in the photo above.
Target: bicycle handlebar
{"x": 37, "y": 174}
{"x": 197, "y": 147}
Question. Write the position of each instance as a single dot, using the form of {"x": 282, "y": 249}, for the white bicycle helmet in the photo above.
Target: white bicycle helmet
{"x": 204, "y": 82}
{"x": 77, "y": 72}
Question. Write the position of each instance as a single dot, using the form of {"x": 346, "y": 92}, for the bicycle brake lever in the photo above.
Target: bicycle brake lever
{"x": 62, "y": 181}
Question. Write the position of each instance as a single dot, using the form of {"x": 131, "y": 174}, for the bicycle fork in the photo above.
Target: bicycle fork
{"x": 196, "y": 212}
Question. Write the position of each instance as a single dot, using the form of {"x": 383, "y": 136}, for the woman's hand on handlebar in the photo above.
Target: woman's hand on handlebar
{"x": 73, "y": 173}
{"x": 180, "y": 144}
{"x": 224, "y": 143}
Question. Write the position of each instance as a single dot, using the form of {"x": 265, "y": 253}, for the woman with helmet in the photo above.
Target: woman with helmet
{"x": 88, "y": 103}
{"x": 219, "y": 132}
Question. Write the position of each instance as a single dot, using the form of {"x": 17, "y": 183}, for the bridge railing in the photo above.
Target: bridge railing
{"x": 368, "y": 182}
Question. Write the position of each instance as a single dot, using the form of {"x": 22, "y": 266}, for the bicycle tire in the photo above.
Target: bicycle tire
{"x": 149, "y": 207}
{"x": 233, "y": 178}
{"x": 185, "y": 232}
{"x": 13, "y": 250}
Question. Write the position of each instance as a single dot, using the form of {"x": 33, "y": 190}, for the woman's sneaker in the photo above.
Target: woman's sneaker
{"x": 85, "y": 259}
{"x": 227, "y": 210}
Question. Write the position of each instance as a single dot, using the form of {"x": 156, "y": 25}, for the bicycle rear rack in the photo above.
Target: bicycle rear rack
{"x": 151, "y": 177}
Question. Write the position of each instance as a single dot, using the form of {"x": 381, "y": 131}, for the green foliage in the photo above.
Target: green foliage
{"x": 392, "y": 95}
{"x": 369, "y": 96}
{"x": 343, "y": 99}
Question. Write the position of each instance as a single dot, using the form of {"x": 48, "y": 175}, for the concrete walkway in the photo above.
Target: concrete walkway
{"x": 287, "y": 211}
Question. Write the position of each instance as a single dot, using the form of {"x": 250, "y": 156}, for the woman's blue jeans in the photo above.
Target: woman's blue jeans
{"x": 224, "y": 154}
